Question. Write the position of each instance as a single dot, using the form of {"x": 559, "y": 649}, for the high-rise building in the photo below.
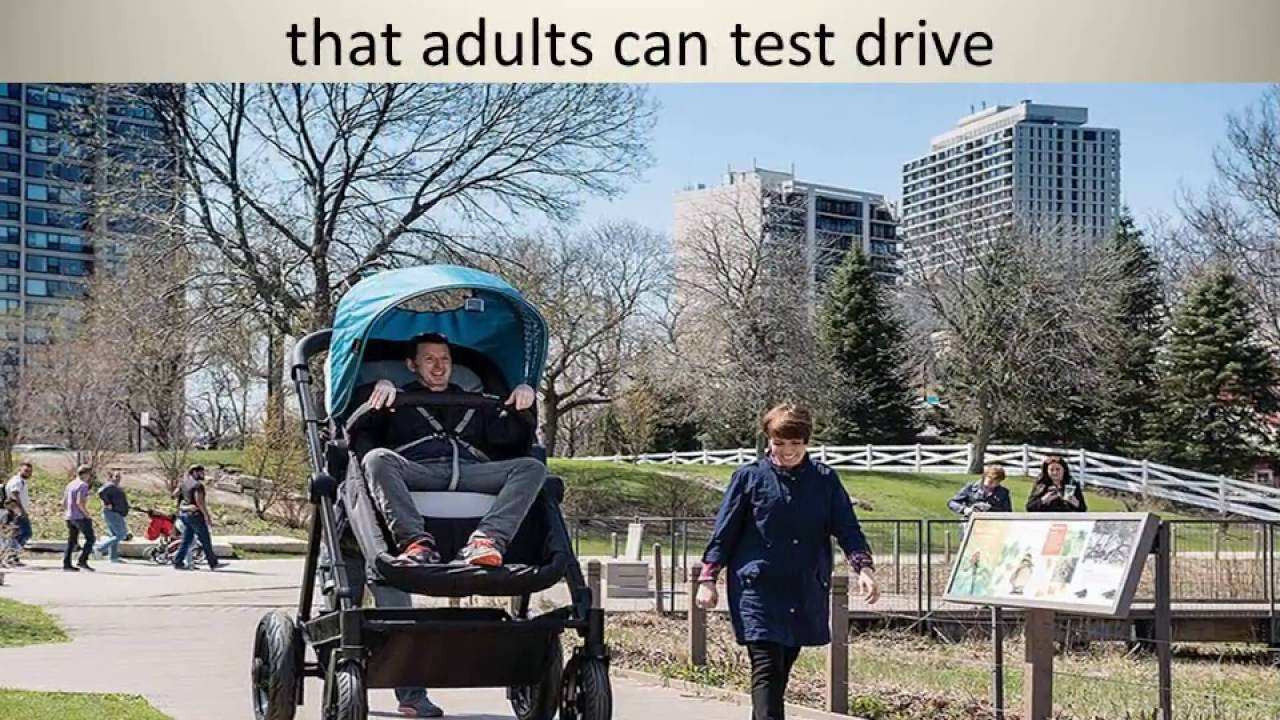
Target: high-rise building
{"x": 823, "y": 222}
{"x": 1040, "y": 163}
{"x": 54, "y": 140}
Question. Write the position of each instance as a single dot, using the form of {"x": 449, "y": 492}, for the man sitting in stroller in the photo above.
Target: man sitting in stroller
{"x": 446, "y": 448}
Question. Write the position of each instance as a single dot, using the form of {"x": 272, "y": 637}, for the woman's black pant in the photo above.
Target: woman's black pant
{"x": 770, "y": 670}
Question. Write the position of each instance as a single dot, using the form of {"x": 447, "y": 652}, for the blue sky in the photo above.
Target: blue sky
{"x": 859, "y": 135}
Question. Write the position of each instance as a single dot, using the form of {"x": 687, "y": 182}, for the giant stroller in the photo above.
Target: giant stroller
{"x": 498, "y": 340}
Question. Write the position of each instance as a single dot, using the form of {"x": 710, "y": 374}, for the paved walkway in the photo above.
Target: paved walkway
{"x": 183, "y": 640}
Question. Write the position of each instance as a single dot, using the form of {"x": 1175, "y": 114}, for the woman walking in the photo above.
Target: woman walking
{"x": 773, "y": 533}
{"x": 1055, "y": 490}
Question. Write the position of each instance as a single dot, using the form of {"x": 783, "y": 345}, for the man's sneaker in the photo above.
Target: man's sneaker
{"x": 482, "y": 551}
{"x": 85, "y": 566}
{"x": 419, "y": 552}
{"x": 68, "y": 568}
{"x": 420, "y": 708}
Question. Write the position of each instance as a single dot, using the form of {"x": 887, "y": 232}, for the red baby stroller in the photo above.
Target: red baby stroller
{"x": 166, "y": 530}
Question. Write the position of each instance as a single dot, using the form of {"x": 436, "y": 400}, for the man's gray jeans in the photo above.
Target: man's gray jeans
{"x": 391, "y": 478}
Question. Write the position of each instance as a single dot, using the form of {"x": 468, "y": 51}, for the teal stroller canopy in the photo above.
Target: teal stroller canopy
{"x": 493, "y": 319}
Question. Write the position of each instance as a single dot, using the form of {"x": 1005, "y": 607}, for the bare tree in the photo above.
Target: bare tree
{"x": 71, "y": 393}
{"x": 226, "y": 397}
{"x": 295, "y": 192}
{"x": 1237, "y": 218}
{"x": 743, "y": 323}
{"x": 275, "y": 463}
{"x": 1009, "y": 318}
{"x": 594, "y": 288}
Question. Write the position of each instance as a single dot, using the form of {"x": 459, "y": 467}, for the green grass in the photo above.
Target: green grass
{"x": 217, "y": 458}
{"x": 27, "y": 705}
{"x": 595, "y": 489}
{"x": 22, "y": 624}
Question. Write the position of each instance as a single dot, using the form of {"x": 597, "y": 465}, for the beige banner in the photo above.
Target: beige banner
{"x": 564, "y": 40}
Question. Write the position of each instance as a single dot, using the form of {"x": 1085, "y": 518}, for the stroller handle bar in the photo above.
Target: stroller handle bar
{"x": 426, "y": 398}
{"x": 308, "y": 347}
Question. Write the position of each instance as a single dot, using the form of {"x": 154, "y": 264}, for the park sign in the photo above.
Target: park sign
{"x": 1086, "y": 563}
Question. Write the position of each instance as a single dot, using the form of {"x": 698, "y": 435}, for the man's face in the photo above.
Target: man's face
{"x": 432, "y": 364}
{"x": 198, "y": 475}
{"x": 25, "y": 472}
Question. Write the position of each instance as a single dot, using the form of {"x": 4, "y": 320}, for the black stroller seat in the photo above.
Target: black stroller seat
{"x": 535, "y": 560}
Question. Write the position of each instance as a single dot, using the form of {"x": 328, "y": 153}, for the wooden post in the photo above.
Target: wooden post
{"x": 1037, "y": 690}
{"x": 593, "y": 584}
{"x": 838, "y": 651}
{"x": 997, "y": 665}
{"x": 1163, "y": 631}
{"x": 614, "y": 537}
{"x": 1026, "y": 461}
{"x": 868, "y": 457}
{"x": 697, "y": 621}
{"x": 657, "y": 578}
{"x": 917, "y": 457}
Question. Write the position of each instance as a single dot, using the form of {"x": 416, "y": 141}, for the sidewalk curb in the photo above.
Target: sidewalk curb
{"x": 715, "y": 693}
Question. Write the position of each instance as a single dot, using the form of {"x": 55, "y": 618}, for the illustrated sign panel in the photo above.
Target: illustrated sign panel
{"x": 1083, "y": 563}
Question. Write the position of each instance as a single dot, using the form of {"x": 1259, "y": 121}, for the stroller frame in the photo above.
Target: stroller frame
{"x": 339, "y": 630}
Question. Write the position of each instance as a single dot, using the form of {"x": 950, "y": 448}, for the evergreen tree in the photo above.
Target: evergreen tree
{"x": 871, "y": 401}
{"x": 1130, "y": 370}
{"x": 1218, "y": 383}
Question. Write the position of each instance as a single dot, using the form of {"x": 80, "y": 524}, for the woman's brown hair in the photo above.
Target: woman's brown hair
{"x": 788, "y": 421}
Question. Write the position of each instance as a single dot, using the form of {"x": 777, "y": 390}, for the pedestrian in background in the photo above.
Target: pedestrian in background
{"x": 193, "y": 511}
{"x": 985, "y": 495}
{"x": 74, "y": 500}
{"x": 115, "y": 507}
{"x": 17, "y": 501}
{"x": 1055, "y": 490}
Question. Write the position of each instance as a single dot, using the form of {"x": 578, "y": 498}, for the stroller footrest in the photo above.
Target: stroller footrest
{"x": 465, "y": 580}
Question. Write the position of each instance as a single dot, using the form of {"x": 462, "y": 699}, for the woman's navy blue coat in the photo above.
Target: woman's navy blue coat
{"x": 773, "y": 534}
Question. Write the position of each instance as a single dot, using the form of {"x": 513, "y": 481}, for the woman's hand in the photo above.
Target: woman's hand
{"x": 384, "y": 394}
{"x": 866, "y": 584}
{"x": 708, "y": 596}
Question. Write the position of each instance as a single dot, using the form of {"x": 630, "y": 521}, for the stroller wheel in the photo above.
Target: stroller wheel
{"x": 539, "y": 702}
{"x": 348, "y": 696}
{"x": 587, "y": 694}
{"x": 158, "y": 555}
{"x": 197, "y": 556}
{"x": 277, "y": 667}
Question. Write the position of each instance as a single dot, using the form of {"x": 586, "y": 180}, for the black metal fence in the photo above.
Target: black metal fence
{"x": 1214, "y": 562}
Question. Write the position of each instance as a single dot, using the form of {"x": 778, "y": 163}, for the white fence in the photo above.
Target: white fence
{"x": 1140, "y": 477}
